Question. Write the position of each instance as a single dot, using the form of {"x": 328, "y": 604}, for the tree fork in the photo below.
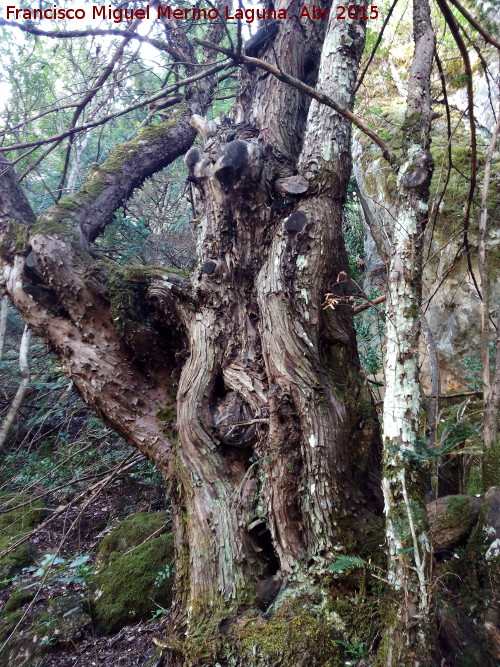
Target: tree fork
{"x": 259, "y": 505}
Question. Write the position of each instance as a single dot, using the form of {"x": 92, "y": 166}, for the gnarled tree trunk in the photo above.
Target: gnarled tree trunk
{"x": 236, "y": 383}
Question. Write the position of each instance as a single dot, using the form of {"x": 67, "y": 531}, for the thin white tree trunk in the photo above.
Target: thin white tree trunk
{"x": 23, "y": 385}
{"x": 407, "y": 638}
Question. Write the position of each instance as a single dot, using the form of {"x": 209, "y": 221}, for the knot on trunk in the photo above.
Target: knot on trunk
{"x": 422, "y": 168}
{"x": 232, "y": 163}
{"x": 229, "y": 417}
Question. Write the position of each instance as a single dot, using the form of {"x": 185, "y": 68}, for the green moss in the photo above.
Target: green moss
{"x": 297, "y": 629}
{"x": 14, "y": 524}
{"x": 130, "y": 149}
{"x": 456, "y": 509}
{"x": 127, "y": 288}
{"x": 412, "y": 128}
{"x": 8, "y": 622}
{"x": 55, "y": 223}
{"x": 130, "y": 586}
{"x": 465, "y": 603}
{"x": 129, "y": 533}
{"x": 459, "y": 81}
{"x": 291, "y": 632}
{"x": 491, "y": 466}
{"x": 18, "y": 598}
{"x": 95, "y": 185}
{"x": 15, "y": 239}
{"x": 167, "y": 415}
{"x": 70, "y": 203}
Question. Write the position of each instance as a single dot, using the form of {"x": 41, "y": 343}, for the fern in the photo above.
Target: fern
{"x": 348, "y": 563}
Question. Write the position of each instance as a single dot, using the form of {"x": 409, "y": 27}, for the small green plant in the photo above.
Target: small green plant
{"x": 165, "y": 573}
{"x": 53, "y": 568}
{"x": 159, "y": 612}
{"x": 472, "y": 373}
{"x": 369, "y": 334}
{"x": 345, "y": 564}
{"x": 357, "y": 650}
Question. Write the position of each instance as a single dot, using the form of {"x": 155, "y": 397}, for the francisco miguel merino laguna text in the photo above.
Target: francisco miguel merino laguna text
{"x": 117, "y": 15}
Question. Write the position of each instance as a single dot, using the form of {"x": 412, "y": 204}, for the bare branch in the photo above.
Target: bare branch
{"x": 24, "y": 370}
{"x": 132, "y": 107}
{"x": 87, "y": 98}
{"x": 490, "y": 409}
{"x": 475, "y": 24}
{"x": 3, "y": 323}
{"x": 70, "y": 34}
{"x": 377, "y": 44}
{"x": 312, "y": 92}
{"x": 454, "y": 29}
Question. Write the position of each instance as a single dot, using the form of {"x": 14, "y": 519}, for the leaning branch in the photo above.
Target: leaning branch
{"x": 3, "y": 323}
{"x": 377, "y": 44}
{"x": 490, "y": 416}
{"x": 312, "y": 92}
{"x": 454, "y": 29}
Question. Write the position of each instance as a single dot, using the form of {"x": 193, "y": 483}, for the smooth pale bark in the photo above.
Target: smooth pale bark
{"x": 432, "y": 404}
{"x": 24, "y": 372}
{"x": 406, "y": 531}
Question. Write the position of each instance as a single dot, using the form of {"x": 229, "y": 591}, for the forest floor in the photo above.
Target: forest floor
{"x": 132, "y": 645}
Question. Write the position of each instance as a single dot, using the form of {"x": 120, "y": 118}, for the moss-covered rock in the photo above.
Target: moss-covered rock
{"x": 134, "y": 571}
{"x": 14, "y": 524}
{"x": 451, "y": 519}
{"x": 63, "y": 622}
{"x": 8, "y": 622}
{"x": 18, "y": 598}
{"x": 467, "y": 606}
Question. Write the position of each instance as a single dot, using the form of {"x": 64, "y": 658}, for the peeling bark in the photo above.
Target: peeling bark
{"x": 3, "y": 323}
{"x": 236, "y": 383}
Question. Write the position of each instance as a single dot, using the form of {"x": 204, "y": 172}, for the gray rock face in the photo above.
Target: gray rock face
{"x": 452, "y": 305}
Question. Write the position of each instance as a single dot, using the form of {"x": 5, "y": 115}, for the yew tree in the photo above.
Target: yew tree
{"x": 234, "y": 380}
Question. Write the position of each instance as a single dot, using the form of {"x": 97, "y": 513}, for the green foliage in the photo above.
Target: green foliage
{"x": 62, "y": 623}
{"x": 299, "y": 628}
{"x": 358, "y": 650}
{"x": 57, "y": 442}
{"x": 370, "y": 334}
{"x": 472, "y": 373}
{"x": 348, "y": 563}
{"x": 154, "y": 229}
{"x": 19, "y": 596}
{"x": 54, "y": 568}
{"x": 353, "y": 233}
{"x": 129, "y": 533}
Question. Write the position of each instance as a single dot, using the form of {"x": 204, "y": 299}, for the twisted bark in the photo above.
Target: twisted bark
{"x": 236, "y": 383}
